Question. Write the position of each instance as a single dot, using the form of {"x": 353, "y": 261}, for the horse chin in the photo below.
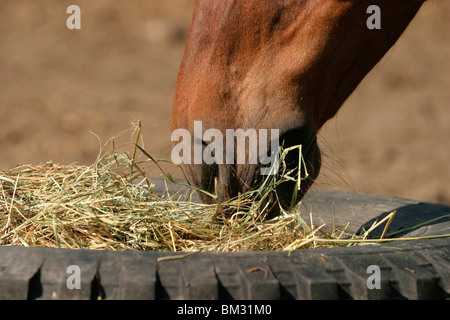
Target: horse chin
{"x": 287, "y": 193}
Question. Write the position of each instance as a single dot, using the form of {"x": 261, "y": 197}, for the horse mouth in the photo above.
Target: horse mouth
{"x": 274, "y": 192}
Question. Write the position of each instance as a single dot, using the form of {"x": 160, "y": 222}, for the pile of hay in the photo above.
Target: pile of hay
{"x": 99, "y": 207}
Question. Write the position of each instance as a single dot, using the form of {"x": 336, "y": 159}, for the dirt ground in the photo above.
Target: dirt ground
{"x": 63, "y": 90}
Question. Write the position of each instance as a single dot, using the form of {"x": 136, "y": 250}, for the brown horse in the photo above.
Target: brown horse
{"x": 276, "y": 64}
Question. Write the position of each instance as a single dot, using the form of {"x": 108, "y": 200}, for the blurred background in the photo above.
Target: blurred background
{"x": 61, "y": 91}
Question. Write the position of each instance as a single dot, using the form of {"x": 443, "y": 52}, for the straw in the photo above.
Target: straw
{"x": 100, "y": 207}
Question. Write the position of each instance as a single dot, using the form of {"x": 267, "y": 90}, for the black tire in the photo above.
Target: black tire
{"x": 418, "y": 269}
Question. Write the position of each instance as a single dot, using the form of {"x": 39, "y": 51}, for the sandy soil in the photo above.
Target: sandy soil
{"x": 58, "y": 85}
